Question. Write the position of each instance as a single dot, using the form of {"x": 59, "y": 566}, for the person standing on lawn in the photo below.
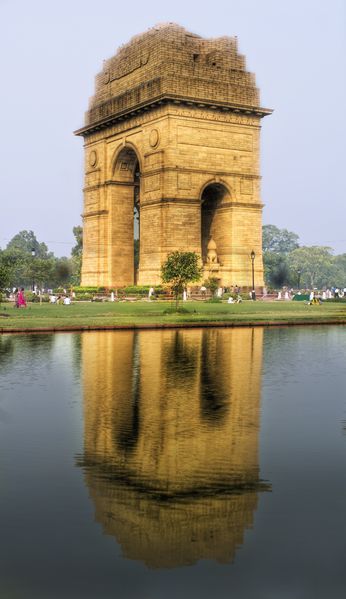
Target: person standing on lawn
{"x": 21, "y": 301}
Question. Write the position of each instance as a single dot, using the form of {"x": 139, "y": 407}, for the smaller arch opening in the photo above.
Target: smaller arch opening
{"x": 125, "y": 164}
{"x": 127, "y": 171}
{"x": 136, "y": 218}
{"x": 213, "y": 197}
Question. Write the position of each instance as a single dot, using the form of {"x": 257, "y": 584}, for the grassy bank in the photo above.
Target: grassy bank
{"x": 87, "y": 314}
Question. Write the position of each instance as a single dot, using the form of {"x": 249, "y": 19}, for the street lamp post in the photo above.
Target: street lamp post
{"x": 253, "y": 292}
{"x": 33, "y": 253}
{"x": 299, "y": 272}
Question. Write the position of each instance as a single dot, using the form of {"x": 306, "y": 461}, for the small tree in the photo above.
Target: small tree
{"x": 61, "y": 272}
{"x": 40, "y": 271}
{"x": 5, "y": 279}
{"x": 180, "y": 269}
{"x": 76, "y": 253}
{"x": 276, "y": 270}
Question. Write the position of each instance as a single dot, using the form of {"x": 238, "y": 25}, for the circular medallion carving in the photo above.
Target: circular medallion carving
{"x": 93, "y": 158}
{"x": 154, "y": 138}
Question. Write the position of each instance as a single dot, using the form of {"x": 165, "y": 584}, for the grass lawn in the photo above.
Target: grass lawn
{"x": 146, "y": 313}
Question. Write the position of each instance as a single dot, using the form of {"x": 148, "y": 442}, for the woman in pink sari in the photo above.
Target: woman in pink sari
{"x": 21, "y": 299}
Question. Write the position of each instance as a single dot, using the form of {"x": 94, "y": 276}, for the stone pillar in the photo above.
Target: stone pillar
{"x": 121, "y": 235}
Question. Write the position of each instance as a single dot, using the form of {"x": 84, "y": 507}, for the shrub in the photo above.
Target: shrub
{"x": 140, "y": 289}
{"x": 136, "y": 290}
{"x": 83, "y": 289}
{"x": 32, "y": 297}
{"x": 212, "y": 284}
{"x": 84, "y": 297}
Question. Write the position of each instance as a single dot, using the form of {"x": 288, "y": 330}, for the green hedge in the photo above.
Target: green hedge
{"x": 89, "y": 289}
{"x": 140, "y": 289}
{"x": 84, "y": 296}
{"x": 88, "y": 293}
{"x": 134, "y": 289}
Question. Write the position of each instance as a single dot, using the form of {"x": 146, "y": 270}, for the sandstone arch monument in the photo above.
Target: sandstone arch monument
{"x": 172, "y": 157}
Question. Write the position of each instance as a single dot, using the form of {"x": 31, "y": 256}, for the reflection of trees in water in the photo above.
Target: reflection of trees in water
{"x": 7, "y": 347}
{"x": 76, "y": 352}
{"x": 169, "y": 486}
{"x": 38, "y": 344}
{"x": 6, "y": 350}
{"x": 19, "y": 356}
{"x": 30, "y": 347}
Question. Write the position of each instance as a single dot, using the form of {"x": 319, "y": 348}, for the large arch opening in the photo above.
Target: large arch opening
{"x": 213, "y": 201}
{"x": 136, "y": 220}
{"x": 127, "y": 174}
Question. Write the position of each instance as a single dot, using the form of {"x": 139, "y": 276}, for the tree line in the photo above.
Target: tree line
{"x": 286, "y": 262}
{"x": 26, "y": 261}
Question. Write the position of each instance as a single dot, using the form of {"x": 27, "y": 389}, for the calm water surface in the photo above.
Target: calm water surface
{"x": 165, "y": 464}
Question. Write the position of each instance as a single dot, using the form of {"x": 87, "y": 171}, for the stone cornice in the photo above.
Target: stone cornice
{"x": 195, "y": 171}
{"x": 121, "y": 183}
{"x": 172, "y": 99}
{"x": 211, "y": 174}
{"x": 196, "y": 201}
{"x": 252, "y": 205}
{"x": 94, "y": 213}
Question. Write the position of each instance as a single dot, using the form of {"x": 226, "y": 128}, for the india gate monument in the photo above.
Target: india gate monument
{"x": 172, "y": 140}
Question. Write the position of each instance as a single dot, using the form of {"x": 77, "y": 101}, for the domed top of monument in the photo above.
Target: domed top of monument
{"x": 168, "y": 63}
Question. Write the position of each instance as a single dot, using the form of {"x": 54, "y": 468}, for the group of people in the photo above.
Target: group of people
{"x": 20, "y": 301}
{"x": 237, "y": 300}
{"x": 334, "y": 292}
{"x": 287, "y": 294}
{"x": 60, "y": 299}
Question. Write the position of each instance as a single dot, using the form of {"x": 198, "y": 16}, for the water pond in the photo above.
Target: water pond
{"x": 205, "y": 463}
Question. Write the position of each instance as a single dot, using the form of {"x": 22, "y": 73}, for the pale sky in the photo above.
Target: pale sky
{"x": 51, "y": 51}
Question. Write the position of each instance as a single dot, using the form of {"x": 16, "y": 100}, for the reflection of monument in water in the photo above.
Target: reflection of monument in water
{"x": 171, "y": 440}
